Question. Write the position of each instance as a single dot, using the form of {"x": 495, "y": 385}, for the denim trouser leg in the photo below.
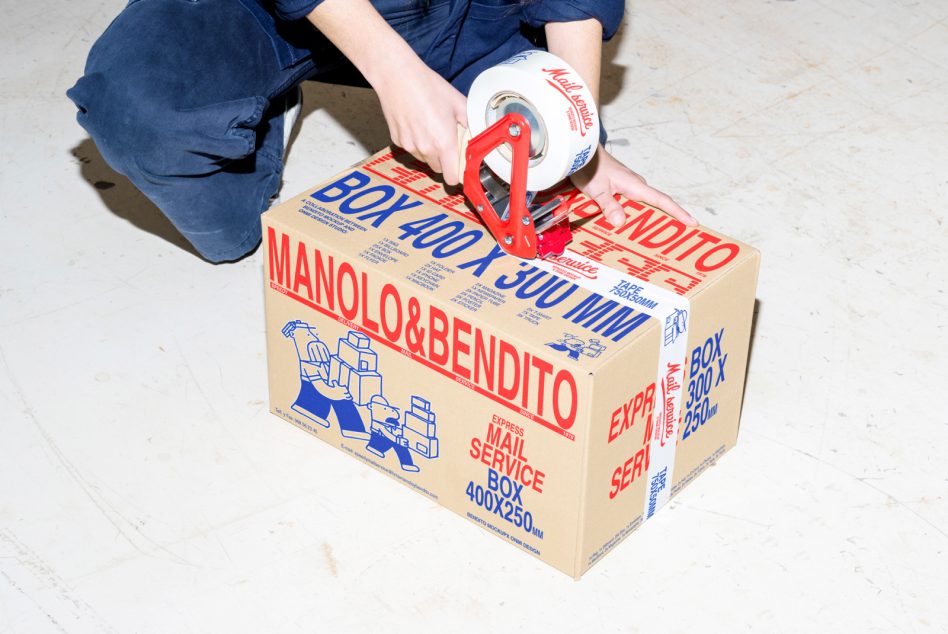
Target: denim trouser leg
{"x": 176, "y": 95}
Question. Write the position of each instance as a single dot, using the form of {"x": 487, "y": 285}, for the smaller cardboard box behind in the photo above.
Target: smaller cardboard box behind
{"x": 556, "y": 403}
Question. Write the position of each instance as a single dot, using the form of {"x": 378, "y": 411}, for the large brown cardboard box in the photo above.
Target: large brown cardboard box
{"x": 556, "y": 403}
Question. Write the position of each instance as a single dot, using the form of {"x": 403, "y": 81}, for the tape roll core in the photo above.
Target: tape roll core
{"x": 506, "y": 102}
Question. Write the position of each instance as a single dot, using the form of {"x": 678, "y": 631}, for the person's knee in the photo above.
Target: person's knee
{"x": 102, "y": 113}
{"x": 193, "y": 164}
{"x": 139, "y": 128}
{"x": 163, "y": 94}
{"x": 182, "y": 112}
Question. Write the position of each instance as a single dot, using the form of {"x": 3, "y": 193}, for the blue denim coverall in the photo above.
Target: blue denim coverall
{"x": 177, "y": 93}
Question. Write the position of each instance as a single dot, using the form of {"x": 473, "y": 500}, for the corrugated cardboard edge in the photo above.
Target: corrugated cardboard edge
{"x": 586, "y": 450}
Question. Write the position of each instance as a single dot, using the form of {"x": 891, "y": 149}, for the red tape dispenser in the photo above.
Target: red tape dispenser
{"x": 524, "y": 230}
{"x": 534, "y": 123}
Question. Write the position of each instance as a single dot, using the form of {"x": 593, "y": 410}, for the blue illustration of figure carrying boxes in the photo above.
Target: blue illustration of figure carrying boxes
{"x": 319, "y": 393}
{"x": 349, "y": 384}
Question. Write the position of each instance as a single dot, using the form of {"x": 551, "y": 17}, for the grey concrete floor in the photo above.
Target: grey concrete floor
{"x": 144, "y": 487}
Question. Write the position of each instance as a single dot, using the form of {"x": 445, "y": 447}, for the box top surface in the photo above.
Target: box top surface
{"x": 391, "y": 216}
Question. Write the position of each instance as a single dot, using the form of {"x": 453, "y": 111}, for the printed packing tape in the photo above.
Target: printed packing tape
{"x": 558, "y": 106}
{"x": 672, "y": 312}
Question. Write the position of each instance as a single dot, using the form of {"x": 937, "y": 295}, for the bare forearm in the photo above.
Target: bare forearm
{"x": 422, "y": 120}
{"x": 579, "y": 44}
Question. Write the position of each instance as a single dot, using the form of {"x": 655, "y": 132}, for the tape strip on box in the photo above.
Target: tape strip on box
{"x": 672, "y": 313}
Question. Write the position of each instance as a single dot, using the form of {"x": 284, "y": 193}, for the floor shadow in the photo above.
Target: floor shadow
{"x": 750, "y": 354}
{"x": 122, "y": 198}
{"x": 611, "y": 73}
{"x": 753, "y": 333}
{"x": 355, "y": 109}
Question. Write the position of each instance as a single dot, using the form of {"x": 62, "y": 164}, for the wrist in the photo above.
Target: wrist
{"x": 398, "y": 63}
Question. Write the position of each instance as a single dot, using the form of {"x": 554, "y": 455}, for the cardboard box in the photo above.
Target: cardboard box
{"x": 573, "y": 396}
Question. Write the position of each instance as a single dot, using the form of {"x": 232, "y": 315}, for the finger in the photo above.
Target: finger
{"x": 434, "y": 162}
{"x": 611, "y": 209}
{"x": 450, "y": 173}
{"x": 412, "y": 147}
{"x": 427, "y": 156}
{"x": 449, "y": 162}
{"x": 416, "y": 154}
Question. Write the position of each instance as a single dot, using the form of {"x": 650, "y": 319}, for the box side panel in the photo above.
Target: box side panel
{"x": 719, "y": 336}
{"x": 626, "y": 395}
{"x": 460, "y": 413}
{"x": 280, "y": 376}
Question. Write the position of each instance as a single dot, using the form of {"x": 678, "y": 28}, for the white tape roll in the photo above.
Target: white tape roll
{"x": 563, "y": 118}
